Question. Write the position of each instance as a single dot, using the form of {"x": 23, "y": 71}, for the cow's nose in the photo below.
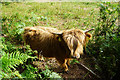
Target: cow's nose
{"x": 76, "y": 56}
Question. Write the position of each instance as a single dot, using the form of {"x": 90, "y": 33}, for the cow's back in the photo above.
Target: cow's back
{"x": 46, "y": 43}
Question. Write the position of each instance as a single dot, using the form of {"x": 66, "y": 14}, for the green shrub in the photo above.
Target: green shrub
{"x": 30, "y": 72}
{"x": 106, "y": 41}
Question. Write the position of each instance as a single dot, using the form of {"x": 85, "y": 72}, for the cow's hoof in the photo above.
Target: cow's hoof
{"x": 68, "y": 66}
{"x": 66, "y": 72}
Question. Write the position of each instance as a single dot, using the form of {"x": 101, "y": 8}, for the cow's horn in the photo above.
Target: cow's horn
{"x": 88, "y": 30}
{"x": 57, "y": 33}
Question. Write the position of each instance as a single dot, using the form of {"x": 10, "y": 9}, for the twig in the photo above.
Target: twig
{"x": 91, "y": 72}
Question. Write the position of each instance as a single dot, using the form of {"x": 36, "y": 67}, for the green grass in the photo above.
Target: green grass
{"x": 54, "y": 14}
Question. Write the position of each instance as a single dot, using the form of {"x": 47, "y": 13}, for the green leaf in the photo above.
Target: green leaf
{"x": 17, "y": 74}
{"x": 54, "y": 75}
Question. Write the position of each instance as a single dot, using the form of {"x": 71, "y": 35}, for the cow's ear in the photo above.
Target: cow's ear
{"x": 88, "y": 35}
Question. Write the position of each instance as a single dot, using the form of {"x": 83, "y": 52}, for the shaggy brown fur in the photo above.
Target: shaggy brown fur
{"x": 51, "y": 42}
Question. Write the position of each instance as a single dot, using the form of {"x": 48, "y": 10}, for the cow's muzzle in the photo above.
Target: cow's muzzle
{"x": 77, "y": 56}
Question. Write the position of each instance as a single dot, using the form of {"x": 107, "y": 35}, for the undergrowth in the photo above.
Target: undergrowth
{"x": 106, "y": 42}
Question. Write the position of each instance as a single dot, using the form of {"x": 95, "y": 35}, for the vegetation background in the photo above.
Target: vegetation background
{"x": 103, "y": 48}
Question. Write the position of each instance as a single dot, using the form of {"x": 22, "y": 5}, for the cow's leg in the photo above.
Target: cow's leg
{"x": 68, "y": 62}
{"x": 63, "y": 64}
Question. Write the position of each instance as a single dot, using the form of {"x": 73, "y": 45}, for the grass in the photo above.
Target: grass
{"x": 54, "y": 14}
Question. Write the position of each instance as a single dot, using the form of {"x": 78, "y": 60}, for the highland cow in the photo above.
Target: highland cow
{"x": 60, "y": 44}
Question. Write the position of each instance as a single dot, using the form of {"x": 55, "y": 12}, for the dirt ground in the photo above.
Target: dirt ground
{"x": 76, "y": 71}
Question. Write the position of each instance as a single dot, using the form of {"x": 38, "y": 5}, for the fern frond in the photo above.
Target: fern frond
{"x": 9, "y": 63}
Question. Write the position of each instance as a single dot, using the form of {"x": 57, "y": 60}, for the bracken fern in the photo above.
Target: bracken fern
{"x": 9, "y": 63}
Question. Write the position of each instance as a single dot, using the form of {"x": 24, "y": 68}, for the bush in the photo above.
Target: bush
{"x": 106, "y": 41}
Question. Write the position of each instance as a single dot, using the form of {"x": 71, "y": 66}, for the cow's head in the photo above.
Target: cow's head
{"x": 75, "y": 39}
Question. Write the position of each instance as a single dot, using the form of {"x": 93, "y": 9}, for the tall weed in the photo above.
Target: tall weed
{"x": 106, "y": 41}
